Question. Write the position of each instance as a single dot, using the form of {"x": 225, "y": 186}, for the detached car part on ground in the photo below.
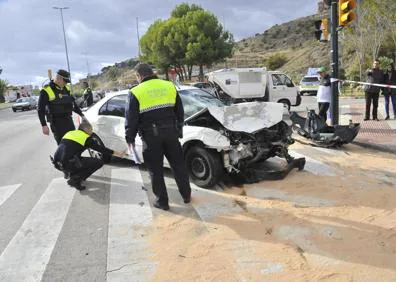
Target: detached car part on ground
{"x": 217, "y": 139}
{"x": 314, "y": 129}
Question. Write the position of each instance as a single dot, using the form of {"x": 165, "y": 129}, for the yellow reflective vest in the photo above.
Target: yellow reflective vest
{"x": 155, "y": 94}
{"x": 77, "y": 136}
{"x": 50, "y": 92}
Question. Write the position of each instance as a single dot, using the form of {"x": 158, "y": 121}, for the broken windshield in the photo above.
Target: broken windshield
{"x": 195, "y": 100}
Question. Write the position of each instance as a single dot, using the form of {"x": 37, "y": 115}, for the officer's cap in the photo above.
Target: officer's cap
{"x": 64, "y": 74}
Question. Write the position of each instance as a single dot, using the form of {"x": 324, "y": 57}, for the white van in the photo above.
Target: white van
{"x": 255, "y": 84}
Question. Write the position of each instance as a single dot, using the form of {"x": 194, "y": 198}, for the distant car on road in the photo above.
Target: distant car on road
{"x": 25, "y": 103}
{"x": 309, "y": 85}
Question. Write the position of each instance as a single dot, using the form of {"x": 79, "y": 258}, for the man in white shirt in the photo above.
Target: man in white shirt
{"x": 324, "y": 93}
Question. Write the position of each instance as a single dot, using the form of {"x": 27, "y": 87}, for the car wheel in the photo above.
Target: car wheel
{"x": 204, "y": 166}
{"x": 14, "y": 110}
{"x": 95, "y": 154}
{"x": 286, "y": 103}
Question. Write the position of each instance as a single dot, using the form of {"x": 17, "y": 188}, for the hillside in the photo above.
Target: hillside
{"x": 295, "y": 40}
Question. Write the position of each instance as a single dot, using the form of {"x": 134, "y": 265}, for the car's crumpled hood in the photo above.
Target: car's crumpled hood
{"x": 245, "y": 117}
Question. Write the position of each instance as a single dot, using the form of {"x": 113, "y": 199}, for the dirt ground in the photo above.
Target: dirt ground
{"x": 307, "y": 227}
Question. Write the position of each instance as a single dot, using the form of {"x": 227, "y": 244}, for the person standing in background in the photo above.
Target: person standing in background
{"x": 374, "y": 75}
{"x": 390, "y": 93}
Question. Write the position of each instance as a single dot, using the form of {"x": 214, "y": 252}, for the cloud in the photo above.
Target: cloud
{"x": 103, "y": 32}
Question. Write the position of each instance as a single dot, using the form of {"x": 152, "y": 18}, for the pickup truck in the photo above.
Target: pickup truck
{"x": 254, "y": 84}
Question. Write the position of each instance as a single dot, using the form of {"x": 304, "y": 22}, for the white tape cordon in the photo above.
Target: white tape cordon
{"x": 363, "y": 83}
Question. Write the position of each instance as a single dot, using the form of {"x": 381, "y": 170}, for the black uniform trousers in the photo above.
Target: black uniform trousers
{"x": 60, "y": 126}
{"x": 371, "y": 97}
{"x": 323, "y": 108}
{"x": 157, "y": 144}
{"x": 80, "y": 168}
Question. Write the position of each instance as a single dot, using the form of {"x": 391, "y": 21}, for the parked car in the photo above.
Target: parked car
{"x": 216, "y": 138}
{"x": 25, "y": 103}
{"x": 309, "y": 85}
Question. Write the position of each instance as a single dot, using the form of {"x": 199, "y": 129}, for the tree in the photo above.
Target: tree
{"x": 191, "y": 36}
{"x": 3, "y": 88}
{"x": 366, "y": 37}
{"x": 207, "y": 42}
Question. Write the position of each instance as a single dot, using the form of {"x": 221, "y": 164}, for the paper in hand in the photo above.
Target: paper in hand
{"x": 132, "y": 152}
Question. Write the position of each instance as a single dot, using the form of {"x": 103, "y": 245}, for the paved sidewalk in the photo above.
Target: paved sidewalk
{"x": 379, "y": 135}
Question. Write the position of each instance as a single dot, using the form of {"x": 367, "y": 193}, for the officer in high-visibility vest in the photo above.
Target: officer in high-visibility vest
{"x": 154, "y": 109}
{"x": 57, "y": 103}
{"x": 67, "y": 157}
{"x": 88, "y": 95}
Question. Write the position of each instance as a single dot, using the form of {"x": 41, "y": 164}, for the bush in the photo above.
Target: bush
{"x": 3, "y": 88}
{"x": 276, "y": 61}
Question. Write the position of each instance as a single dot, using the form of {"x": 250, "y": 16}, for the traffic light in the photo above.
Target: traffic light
{"x": 322, "y": 30}
{"x": 346, "y": 14}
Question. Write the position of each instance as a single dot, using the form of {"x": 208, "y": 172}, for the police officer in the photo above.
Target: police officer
{"x": 155, "y": 110}
{"x": 67, "y": 157}
{"x": 88, "y": 95}
{"x": 56, "y": 102}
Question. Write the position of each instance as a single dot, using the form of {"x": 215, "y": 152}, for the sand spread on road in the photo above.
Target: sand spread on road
{"x": 304, "y": 228}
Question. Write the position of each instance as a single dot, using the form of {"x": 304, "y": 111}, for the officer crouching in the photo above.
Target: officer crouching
{"x": 68, "y": 158}
{"x": 155, "y": 110}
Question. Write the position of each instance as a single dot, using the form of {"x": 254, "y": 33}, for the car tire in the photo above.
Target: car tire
{"x": 14, "y": 110}
{"x": 204, "y": 166}
{"x": 95, "y": 154}
{"x": 286, "y": 103}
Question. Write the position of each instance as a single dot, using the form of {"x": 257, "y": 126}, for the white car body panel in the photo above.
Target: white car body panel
{"x": 246, "y": 117}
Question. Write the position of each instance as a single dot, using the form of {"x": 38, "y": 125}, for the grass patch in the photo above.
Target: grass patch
{"x": 5, "y": 105}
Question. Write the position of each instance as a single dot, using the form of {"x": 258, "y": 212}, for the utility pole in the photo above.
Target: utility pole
{"x": 64, "y": 38}
{"x": 138, "y": 37}
{"x": 334, "y": 63}
{"x": 86, "y": 60}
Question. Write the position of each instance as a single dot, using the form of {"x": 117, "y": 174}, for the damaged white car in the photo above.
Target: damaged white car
{"x": 216, "y": 138}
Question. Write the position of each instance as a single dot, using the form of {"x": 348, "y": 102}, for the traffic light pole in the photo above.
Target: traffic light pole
{"x": 334, "y": 63}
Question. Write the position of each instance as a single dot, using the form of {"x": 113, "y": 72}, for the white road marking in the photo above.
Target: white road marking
{"x": 128, "y": 255}
{"x": 26, "y": 256}
{"x": 7, "y": 191}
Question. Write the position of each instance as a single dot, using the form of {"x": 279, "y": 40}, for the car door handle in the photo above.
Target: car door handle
{"x": 274, "y": 87}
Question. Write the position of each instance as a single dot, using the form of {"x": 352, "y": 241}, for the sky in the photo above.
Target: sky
{"x": 102, "y": 32}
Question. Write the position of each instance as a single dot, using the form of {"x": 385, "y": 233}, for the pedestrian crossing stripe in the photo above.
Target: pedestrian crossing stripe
{"x": 7, "y": 191}
{"x": 26, "y": 256}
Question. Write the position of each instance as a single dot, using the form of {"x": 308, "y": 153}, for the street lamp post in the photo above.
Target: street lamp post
{"x": 64, "y": 38}
{"x": 86, "y": 60}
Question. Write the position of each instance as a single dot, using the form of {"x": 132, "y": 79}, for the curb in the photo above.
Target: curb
{"x": 381, "y": 148}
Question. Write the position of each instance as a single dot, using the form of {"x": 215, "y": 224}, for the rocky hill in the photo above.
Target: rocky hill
{"x": 294, "y": 41}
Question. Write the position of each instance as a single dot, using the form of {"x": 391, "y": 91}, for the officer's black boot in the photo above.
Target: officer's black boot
{"x": 76, "y": 183}
{"x": 158, "y": 205}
